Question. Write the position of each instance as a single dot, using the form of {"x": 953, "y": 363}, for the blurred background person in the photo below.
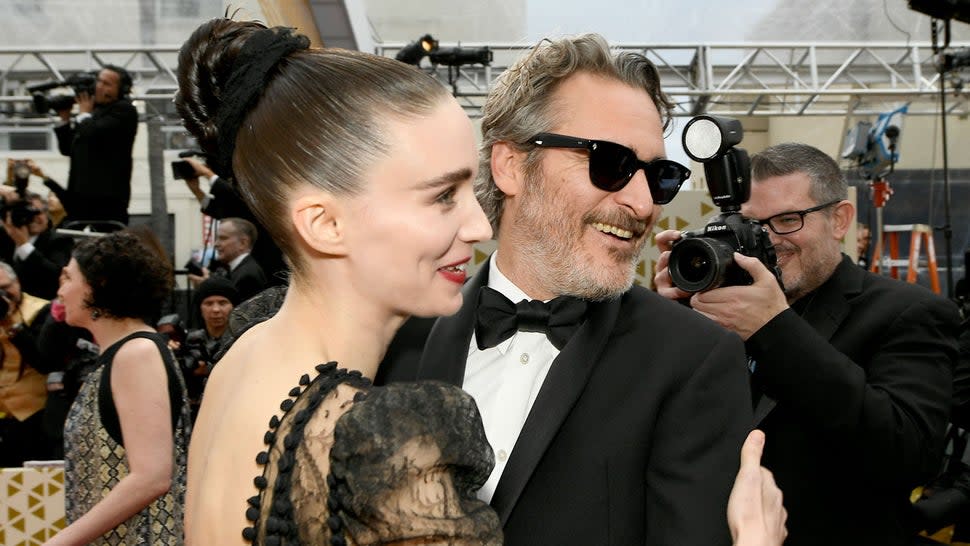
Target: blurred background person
{"x": 99, "y": 141}
{"x": 224, "y": 201}
{"x": 127, "y": 431}
{"x": 863, "y": 238}
{"x": 23, "y": 391}
{"x": 214, "y": 301}
{"x": 234, "y": 245}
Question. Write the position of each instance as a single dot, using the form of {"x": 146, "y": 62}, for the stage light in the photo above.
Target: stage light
{"x": 943, "y": 9}
{"x": 460, "y": 56}
{"x": 417, "y": 50}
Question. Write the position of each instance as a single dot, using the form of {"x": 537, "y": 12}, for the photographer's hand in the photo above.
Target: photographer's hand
{"x": 743, "y": 309}
{"x": 35, "y": 168}
{"x": 85, "y": 103}
{"x": 18, "y": 234}
{"x": 665, "y": 287}
{"x": 196, "y": 280}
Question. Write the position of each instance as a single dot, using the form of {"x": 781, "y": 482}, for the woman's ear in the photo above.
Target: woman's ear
{"x": 319, "y": 223}
{"x": 507, "y": 164}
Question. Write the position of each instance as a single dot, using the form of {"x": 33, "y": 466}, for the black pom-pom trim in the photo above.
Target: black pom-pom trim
{"x": 295, "y": 391}
{"x": 262, "y": 457}
{"x": 249, "y": 533}
{"x": 305, "y": 380}
{"x": 287, "y": 405}
{"x": 274, "y": 422}
{"x": 260, "y": 482}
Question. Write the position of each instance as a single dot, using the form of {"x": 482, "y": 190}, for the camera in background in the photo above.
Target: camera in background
{"x": 83, "y": 82}
{"x": 704, "y": 259}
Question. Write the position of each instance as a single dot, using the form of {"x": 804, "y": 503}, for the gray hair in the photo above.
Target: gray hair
{"x": 9, "y": 270}
{"x": 521, "y": 104}
{"x": 827, "y": 182}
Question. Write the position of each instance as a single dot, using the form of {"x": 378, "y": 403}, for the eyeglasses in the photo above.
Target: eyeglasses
{"x": 790, "y": 222}
{"x": 611, "y": 166}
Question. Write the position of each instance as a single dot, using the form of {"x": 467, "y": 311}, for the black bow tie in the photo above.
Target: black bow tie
{"x": 498, "y": 318}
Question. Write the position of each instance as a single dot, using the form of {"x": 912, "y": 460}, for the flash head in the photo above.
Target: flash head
{"x": 706, "y": 137}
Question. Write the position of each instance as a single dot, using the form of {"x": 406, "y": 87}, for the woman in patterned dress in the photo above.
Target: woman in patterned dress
{"x": 126, "y": 435}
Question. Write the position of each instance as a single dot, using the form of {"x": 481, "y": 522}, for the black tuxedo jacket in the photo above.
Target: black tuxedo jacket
{"x": 40, "y": 273}
{"x": 634, "y": 437}
{"x": 248, "y": 278}
{"x": 859, "y": 389}
{"x": 99, "y": 183}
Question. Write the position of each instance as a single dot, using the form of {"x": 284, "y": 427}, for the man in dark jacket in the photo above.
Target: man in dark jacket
{"x": 854, "y": 370}
{"x": 99, "y": 142}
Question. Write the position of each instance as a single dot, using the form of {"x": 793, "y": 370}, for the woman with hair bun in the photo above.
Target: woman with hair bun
{"x": 361, "y": 168}
{"x": 126, "y": 435}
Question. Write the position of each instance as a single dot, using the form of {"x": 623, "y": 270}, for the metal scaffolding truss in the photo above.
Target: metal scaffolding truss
{"x": 764, "y": 79}
{"x": 749, "y": 79}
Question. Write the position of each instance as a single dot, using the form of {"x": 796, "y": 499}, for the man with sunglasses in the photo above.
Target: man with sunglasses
{"x": 853, "y": 369}
{"x": 616, "y": 416}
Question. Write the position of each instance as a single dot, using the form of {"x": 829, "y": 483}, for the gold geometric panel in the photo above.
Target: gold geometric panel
{"x": 34, "y": 505}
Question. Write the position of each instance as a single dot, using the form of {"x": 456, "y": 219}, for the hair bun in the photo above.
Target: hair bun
{"x": 205, "y": 64}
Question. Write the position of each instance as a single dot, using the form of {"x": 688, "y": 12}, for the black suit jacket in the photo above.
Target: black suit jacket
{"x": 634, "y": 436}
{"x": 862, "y": 382}
{"x": 99, "y": 183}
{"x": 40, "y": 273}
{"x": 248, "y": 278}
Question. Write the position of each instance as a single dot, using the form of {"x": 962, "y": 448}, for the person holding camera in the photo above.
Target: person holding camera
{"x": 99, "y": 141}
{"x": 214, "y": 298}
{"x": 852, "y": 371}
{"x": 626, "y": 411}
{"x": 23, "y": 390}
{"x": 224, "y": 201}
{"x": 38, "y": 252}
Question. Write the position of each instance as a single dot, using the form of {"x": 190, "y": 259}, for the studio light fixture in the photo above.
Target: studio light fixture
{"x": 417, "y": 50}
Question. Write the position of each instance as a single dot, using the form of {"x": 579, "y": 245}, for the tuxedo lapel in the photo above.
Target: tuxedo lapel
{"x": 562, "y": 387}
{"x": 446, "y": 350}
{"x": 825, "y": 312}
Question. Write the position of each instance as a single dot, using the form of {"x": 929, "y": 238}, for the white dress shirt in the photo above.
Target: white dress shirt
{"x": 504, "y": 381}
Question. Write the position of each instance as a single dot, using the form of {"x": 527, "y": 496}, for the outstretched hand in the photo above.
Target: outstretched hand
{"x": 755, "y": 513}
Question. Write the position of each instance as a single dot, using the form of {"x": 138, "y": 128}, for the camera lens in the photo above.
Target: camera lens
{"x": 698, "y": 264}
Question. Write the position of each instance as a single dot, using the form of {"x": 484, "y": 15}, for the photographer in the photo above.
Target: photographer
{"x": 214, "y": 299}
{"x": 223, "y": 201}
{"x": 38, "y": 254}
{"x": 23, "y": 390}
{"x": 851, "y": 371}
{"x": 99, "y": 142}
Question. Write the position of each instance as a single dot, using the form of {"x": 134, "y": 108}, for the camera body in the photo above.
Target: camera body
{"x": 197, "y": 349}
{"x": 704, "y": 259}
{"x": 82, "y": 82}
{"x": 20, "y": 211}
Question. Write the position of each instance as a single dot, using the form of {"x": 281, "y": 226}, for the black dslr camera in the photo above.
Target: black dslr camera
{"x": 82, "y": 82}
{"x": 20, "y": 211}
{"x": 197, "y": 349}
{"x": 704, "y": 259}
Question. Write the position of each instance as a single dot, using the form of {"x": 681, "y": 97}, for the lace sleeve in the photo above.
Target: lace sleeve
{"x": 398, "y": 465}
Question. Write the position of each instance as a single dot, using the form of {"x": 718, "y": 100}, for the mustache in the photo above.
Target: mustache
{"x": 620, "y": 220}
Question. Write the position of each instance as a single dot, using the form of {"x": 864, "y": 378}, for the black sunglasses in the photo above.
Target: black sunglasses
{"x": 611, "y": 166}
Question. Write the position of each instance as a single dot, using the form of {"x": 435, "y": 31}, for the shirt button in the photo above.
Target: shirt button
{"x": 502, "y": 455}
{"x": 524, "y": 358}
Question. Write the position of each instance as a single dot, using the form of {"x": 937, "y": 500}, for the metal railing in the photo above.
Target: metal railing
{"x": 740, "y": 79}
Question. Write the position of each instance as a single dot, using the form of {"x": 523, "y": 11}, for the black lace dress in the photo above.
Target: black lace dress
{"x": 352, "y": 464}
